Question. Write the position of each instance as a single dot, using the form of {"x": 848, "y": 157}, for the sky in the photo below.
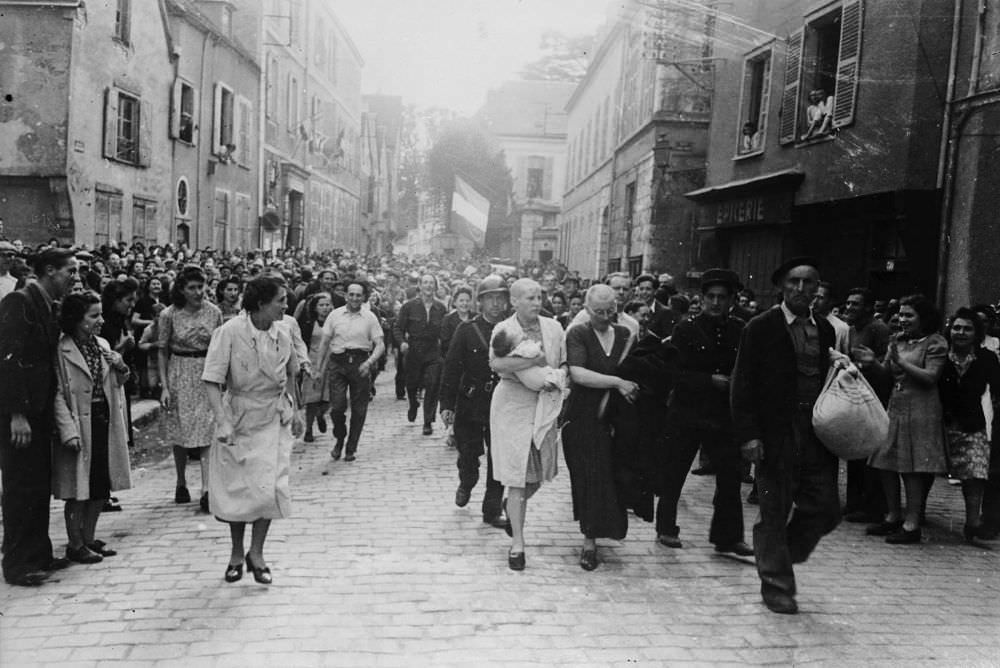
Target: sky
{"x": 450, "y": 52}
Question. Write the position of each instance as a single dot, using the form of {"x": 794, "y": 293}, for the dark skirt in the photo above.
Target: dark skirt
{"x": 100, "y": 468}
{"x": 597, "y": 505}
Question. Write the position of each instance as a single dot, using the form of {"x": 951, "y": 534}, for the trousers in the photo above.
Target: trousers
{"x": 797, "y": 471}
{"x": 864, "y": 489}
{"x": 27, "y": 488}
{"x": 346, "y": 379}
{"x": 426, "y": 375}
{"x": 683, "y": 441}
{"x": 472, "y": 439}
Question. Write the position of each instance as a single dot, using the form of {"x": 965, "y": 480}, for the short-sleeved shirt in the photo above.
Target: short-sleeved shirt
{"x": 349, "y": 330}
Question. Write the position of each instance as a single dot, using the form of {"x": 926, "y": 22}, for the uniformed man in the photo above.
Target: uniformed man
{"x": 466, "y": 388}
{"x": 699, "y": 415}
{"x": 417, "y": 330}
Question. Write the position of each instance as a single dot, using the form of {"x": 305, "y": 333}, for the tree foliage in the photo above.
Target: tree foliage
{"x": 564, "y": 57}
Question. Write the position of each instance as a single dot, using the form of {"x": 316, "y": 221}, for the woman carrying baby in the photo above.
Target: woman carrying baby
{"x": 524, "y": 435}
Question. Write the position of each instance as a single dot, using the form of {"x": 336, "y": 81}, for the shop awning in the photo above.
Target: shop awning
{"x": 790, "y": 178}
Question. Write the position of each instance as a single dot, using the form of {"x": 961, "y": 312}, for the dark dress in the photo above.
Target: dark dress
{"x": 587, "y": 442}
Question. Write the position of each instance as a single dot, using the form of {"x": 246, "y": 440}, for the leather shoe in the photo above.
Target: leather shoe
{"x": 349, "y": 457}
{"x": 411, "y": 414}
{"x": 588, "y": 560}
{"x": 498, "y": 522}
{"x": 56, "y": 564}
{"x": 29, "y": 579}
{"x": 515, "y": 561}
{"x": 740, "y": 549}
{"x": 203, "y": 503}
{"x": 780, "y": 602}
{"x": 82, "y": 555}
{"x": 234, "y": 573}
{"x": 308, "y": 438}
{"x": 904, "y": 537}
{"x": 101, "y": 548}
{"x": 428, "y": 429}
{"x": 181, "y": 495}
{"x": 884, "y": 528}
{"x": 667, "y": 540}
{"x": 337, "y": 449}
{"x": 462, "y": 496}
{"x": 321, "y": 424}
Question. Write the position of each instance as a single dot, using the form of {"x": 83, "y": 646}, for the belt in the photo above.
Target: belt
{"x": 189, "y": 353}
{"x": 351, "y": 355}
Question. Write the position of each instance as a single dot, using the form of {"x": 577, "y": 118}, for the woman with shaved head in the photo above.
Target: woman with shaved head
{"x": 523, "y": 456}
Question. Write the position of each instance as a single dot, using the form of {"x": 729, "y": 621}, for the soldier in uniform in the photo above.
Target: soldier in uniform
{"x": 466, "y": 388}
{"x": 417, "y": 331}
{"x": 699, "y": 415}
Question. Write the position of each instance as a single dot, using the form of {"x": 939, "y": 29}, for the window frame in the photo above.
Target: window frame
{"x": 123, "y": 22}
{"x": 763, "y": 53}
{"x": 224, "y": 128}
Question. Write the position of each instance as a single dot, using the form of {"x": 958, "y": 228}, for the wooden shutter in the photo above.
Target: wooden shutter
{"x": 195, "y": 116}
{"x": 149, "y": 232}
{"x": 175, "y": 109}
{"x": 522, "y": 176}
{"x": 790, "y": 94}
{"x": 236, "y": 125}
{"x": 217, "y": 119}
{"x": 550, "y": 165}
{"x": 115, "y": 216}
{"x": 846, "y": 92}
{"x": 145, "y": 133}
{"x": 110, "y": 122}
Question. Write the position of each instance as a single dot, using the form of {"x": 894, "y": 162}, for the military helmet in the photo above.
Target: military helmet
{"x": 490, "y": 284}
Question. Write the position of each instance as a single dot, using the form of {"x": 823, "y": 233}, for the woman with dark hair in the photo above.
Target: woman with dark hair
{"x": 92, "y": 458}
{"x": 915, "y": 448}
{"x": 315, "y": 391}
{"x": 256, "y": 420}
{"x": 227, "y": 297}
{"x": 968, "y": 372}
{"x": 117, "y": 302}
{"x": 147, "y": 309}
{"x": 461, "y": 300}
{"x": 185, "y": 330}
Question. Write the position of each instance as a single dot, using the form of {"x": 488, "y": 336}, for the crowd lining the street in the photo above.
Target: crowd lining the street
{"x": 249, "y": 351}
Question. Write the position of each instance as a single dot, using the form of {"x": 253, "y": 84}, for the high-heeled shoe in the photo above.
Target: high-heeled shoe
{"x": 234, "y": 572}
{"x": 588, "y": 560}
{"x": 261, "y": 575}
{"x": 515, "y": 560}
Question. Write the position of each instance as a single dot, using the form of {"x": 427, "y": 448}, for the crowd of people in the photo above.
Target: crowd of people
{"x": 248, "y": 351}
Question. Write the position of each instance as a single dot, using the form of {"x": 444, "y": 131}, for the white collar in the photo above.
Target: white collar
{"x": 791, "y": 317}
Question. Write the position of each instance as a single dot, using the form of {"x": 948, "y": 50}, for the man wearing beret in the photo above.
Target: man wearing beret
{"x": 699, "y": 415}
{"x": 783, "y": 360}
{"x": 28, "y": 338}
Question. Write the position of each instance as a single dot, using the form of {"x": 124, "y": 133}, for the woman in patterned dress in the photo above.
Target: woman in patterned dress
{"x": 969, "y": 371}
{"x": 185, "y": 330}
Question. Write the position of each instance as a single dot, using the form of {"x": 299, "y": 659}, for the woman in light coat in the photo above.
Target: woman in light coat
{"x": 257, "y": 422}
{"x": 522, "y": 459}
{"x": 91, "y": 459}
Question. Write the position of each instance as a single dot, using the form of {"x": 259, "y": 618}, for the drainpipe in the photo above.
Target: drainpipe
{"x": 946, "y": 156}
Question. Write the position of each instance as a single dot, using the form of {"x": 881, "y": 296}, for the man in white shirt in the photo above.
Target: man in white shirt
{"x": 352, "y": 343}
{"x": 7, "y": 282}
{"x": 823, "y": 305}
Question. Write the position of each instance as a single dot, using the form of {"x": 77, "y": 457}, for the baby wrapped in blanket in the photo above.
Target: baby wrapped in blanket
{"x": 551, "y": 384}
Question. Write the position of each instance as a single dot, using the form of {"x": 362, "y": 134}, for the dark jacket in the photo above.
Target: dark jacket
{"x": 422, "y": 334}
{"x": 467, "y": 381}
{"x": 763, "y": 391}
{"x": 705, "y": 347}
{"x": 662, "y": 319}
{"x": 28, "y": 339}
{"x": 961, "y": 396}
{"x": 448, "y": 327}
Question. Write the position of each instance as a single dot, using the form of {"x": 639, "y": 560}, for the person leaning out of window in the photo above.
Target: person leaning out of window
{"x": 92, "y": 458}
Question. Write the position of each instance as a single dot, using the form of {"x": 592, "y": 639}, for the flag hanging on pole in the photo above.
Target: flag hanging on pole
{"x": 470, "y": 211}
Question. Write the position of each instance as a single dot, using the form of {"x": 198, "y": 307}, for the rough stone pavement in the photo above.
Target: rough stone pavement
{"x": 379, "y": 568}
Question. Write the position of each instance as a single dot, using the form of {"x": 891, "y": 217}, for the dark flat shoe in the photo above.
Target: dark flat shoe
{"x": 56, "y": 564}
{"x": 780, "y": 602}
{"x": 515, "y": 561}
{"x": 667, "y": 540}
{"x": 740, "y": 549}
{"x": 462, "y": 496}
{"x": 182, "y": 495}
{"x": 31, "y": 579}
{"x": 428, "y": 430}
{"x": 499, "y": 522}
{"x": 82, "y": 555}
{"x": 588, "y": 560}
{"x": 904, "y": 537}
{"x": 203, "y": 503}
{"x": 308, "y": 438}
{"x": 234, "y": 572}
{"x": 111, "y": 506}
{"x": 350, "y": 457}
{"x": 261, "y": 575}
{"x": 884, "y": 528}
{"x": 101, "y": 548}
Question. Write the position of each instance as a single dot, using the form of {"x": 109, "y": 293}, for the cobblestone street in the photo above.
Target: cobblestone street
{"x": 378, "y": 567}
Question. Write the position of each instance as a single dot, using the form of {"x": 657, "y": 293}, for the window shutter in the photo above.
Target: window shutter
{"x": 550, "y": 164}
{"x": 522, "y": 177}
{"x": 145, "y": 133}
{"x": 216, "y": 118}
{"x": 790, "y": 95}
{"x": 175, "y": 110}
{"x": 237, "y": 124}
{"x": 195, "y": 115}
{"x": 110, "y": 122}
{"x": 746, "y": 94}
{"x": 765, "y": 99}
{"x": 150, "y": 230}
{"x": 846, "y": 93}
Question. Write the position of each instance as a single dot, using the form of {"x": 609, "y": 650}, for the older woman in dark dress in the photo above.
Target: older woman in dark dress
{"x": 969, "y": 370}
{"x": 593, "y": 352}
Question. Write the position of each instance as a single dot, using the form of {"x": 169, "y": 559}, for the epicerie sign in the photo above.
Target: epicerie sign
{"x": 740, "y": 211}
